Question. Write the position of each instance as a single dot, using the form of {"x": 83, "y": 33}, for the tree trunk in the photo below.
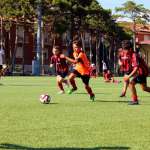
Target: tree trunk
{"x": 98, "y": 41}
{"x": 15, "y": 49}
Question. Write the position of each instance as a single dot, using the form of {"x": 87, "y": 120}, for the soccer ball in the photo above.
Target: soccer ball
{"x": 45, "y": 99}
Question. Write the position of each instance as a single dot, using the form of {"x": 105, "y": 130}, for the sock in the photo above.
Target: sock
{"x": 60, "y": 86}
{"x": 72, "y": 82}
{"x": 89, "y": 90}
{"x": 134, "y": 98}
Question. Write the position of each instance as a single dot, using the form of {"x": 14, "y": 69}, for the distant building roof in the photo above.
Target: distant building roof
{"x": 139, "y": 27}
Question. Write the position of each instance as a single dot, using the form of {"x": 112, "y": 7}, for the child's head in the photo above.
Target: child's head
{"x": 108, "y": 71}
{"x": 56, "y": 50}
{"x": 126, "y": 44}
{"x": 77, "y": 46}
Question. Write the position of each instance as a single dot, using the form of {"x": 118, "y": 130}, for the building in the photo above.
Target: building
{"x": 19, "y": 42}
{"x": 143, "y": 39}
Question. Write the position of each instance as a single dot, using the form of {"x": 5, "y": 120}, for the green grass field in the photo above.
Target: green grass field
{"x": 71, "y": 122}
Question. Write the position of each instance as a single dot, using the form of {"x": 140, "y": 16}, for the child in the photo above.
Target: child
{"x": 81, "y": 69}
{"x": 139, "y": 74}
{"x": 108, "y": 77}
{"x": 61, "y": 68}
{"x": 124, "y": 62}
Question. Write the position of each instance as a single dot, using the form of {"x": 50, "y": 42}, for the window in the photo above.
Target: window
{"x": 146, "y": 37}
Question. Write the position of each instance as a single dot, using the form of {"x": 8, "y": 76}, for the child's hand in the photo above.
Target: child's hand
{"x": 62, "y": 56}
{"x": 51, "y": 65}
{"x": 126, "y": 78}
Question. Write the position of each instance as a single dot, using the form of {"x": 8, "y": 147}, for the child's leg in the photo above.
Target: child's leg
{"x": 85, "y": 80}
{"x": 145, "y": 87}
{"x": 59, "y": 82}
{"x": 124, "y": 90}
{"x": 134, "y": 96}
{"x": 72, "y": 81}
{"x": 65, "y": 81}
{"x": 89, "y": 90}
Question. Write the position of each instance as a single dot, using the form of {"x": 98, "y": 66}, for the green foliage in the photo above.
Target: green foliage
{"x": 136, "y": 12}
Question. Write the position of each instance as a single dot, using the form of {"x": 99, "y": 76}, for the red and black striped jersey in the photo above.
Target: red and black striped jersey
{"x": 60, "y": 64}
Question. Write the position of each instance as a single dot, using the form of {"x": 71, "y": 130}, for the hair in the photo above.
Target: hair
{"x": 78, "y": 43}
{"x": 57, "y": 47}
{"x": 126, "y": 44}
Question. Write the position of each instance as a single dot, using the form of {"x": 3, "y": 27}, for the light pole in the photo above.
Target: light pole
{"x": 38, "y": 47}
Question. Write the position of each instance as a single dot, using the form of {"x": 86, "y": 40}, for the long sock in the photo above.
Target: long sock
{"x": 60, "y": 86}
{"x": 72, "y": 82}
{"x": 89, "y": 90}
{"x": 134, "y": 98}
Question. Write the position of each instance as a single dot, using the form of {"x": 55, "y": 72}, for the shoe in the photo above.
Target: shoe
{"x": 133, "y": 102}
{"x": 122, "y": 95}
{"x": 61, "y": 92}
{"x": 72, "y": 90}
{"x": 92, "y": 97}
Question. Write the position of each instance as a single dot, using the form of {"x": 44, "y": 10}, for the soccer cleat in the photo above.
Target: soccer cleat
{"x": 133, "y": 102}
{"x": 122, "y": 95}
{"x": 61, "y": 92}
{"x": 72, "y": 90}
{"x": 92, "y": 97}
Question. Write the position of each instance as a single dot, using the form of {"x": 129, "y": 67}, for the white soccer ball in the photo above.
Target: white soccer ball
{"x": 45, "y": 99}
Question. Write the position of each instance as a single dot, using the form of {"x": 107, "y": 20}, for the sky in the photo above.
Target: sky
{"x": 111, "y": 4}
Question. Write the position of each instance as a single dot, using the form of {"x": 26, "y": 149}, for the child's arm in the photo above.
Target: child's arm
{"x": 74, "y": 61}
{"x": 127, "y": 77}
{"x": 51, "y": 62}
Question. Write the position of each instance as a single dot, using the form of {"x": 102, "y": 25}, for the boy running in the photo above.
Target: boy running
{"x": 139, "y": 74}
{"x": 81, "y": 69}
{"x": 61, "y": 68}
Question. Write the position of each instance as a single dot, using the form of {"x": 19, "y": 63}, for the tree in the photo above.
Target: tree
{"x": 137, "y": 13}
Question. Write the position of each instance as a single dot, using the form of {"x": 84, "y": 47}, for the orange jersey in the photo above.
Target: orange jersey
{"x": 83, "y": 64}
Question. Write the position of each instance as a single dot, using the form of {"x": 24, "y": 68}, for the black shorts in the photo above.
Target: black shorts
{"x": 62, "y": 74}
{"x": 85, "y": 78}
{"x": 140, "y": 79}
{"x": 123, "y": 73}
{"x": 1, "y": 67}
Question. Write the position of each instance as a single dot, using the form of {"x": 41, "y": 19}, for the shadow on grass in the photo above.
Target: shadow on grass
{"x": 94, "y": 93}
{"x": 26, "y": 85}
{"x": 20, "y": 147}
{"x": 108, "y": 101}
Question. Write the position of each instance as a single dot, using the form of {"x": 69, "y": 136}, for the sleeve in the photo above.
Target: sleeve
{"x": 52, "y": 60}
{"x": 135, "y": 60}
{"x": 80, "y": 57}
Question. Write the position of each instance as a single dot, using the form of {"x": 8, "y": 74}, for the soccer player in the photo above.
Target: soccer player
{"x": 81, "y": 69}
{"x": 61, "y": 68}
{"x": 124, "y": 61}
{"x": 108, "y": 77}
{"x": 139, "y": 73}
